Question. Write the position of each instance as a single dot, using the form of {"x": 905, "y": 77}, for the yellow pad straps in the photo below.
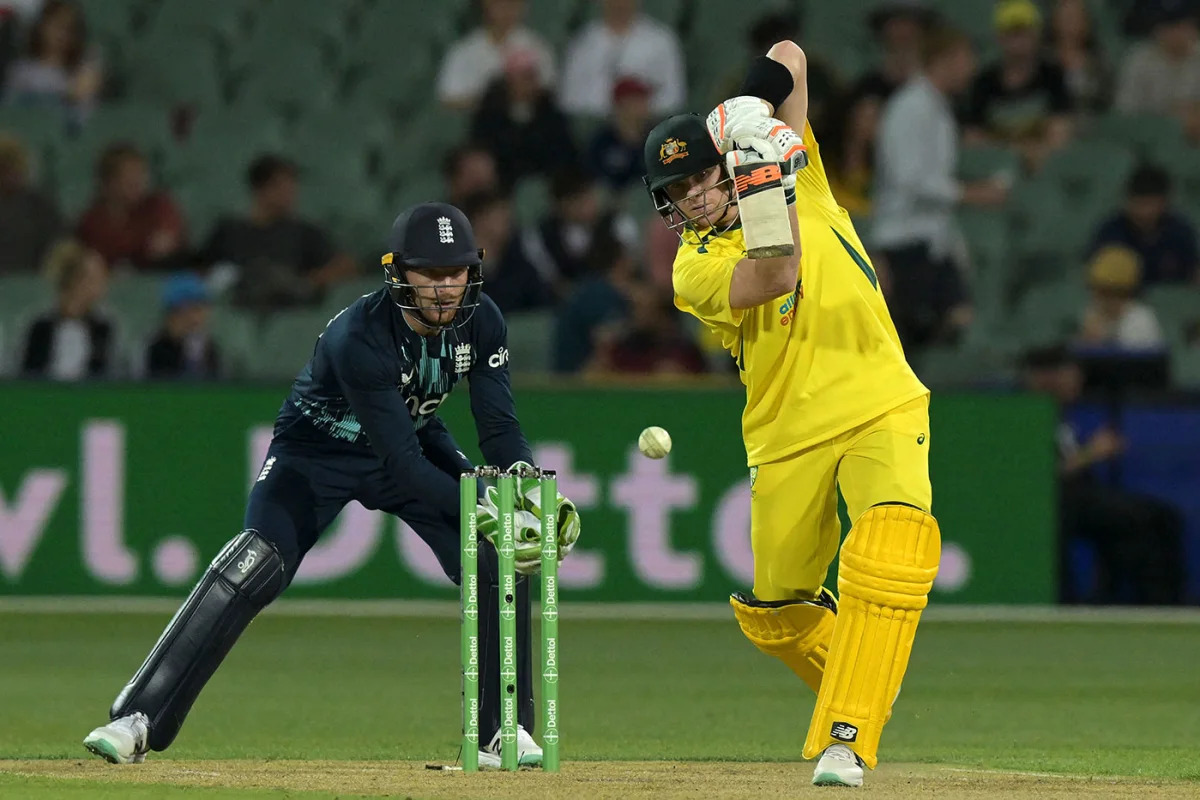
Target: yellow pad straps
{"x": 798, "y": 633}
{"x": 888, "y": 563}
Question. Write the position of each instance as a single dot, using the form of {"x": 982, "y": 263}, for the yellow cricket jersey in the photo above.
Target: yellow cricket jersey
{"x": 817, "y": 362}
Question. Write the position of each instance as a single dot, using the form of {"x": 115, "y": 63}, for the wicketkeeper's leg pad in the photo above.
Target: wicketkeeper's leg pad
{"x": 888, "y": 563}
{"x": 245, "y": 576}
{"x": 797, "y": 632}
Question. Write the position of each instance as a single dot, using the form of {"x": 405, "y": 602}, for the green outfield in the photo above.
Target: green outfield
{"x": 347, "y": 706}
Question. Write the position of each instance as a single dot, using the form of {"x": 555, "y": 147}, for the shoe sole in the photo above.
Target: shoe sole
{"x": 833, "y": 779}
{"x": 104, "y": 749}
{"x": 527, "y": 760}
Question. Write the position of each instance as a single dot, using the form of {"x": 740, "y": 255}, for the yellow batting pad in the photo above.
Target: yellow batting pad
{"x": 798, "y": 633}
{"x": 888, "y": 563}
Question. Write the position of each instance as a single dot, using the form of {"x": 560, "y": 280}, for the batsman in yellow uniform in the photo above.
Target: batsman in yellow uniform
{"x": 830, "y": 402}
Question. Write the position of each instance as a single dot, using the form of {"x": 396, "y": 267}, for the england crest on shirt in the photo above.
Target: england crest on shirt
{"x": 462, "y": 358}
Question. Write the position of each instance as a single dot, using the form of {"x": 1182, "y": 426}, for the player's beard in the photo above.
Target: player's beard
{"x": 439, "y": 306}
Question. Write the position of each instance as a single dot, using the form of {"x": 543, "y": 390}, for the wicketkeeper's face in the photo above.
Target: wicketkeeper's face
{"x": 438, "y": 292}
{"x": 705, "y": 198}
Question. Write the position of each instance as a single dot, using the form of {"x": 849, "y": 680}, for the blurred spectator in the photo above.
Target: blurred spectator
{"x": 74, "y": 340}
{"x": 1164, "y": 239}
{"x": 509, "y": 277}
{"x": 652, "y": 342}
{"x": 29, "y": 220}
{"x": 478, "y": 58}
{"x": 128, "y": 221}
{"x": 616, "y": 149}
{"x": 1023, "y": 99}
{"x": 560, "y": 244}
{"x": 899, "y": 27}
{"x": 281, "y": 260}
{"x": 8, "y": 38}
{"x": 1114, "y": 318}
{"x": 598, "y": 303}
{"x": 518, "y": 118}
{"x": 1162, "y": 76}
{"x": 59, "y": 67}
{"x": 183, "y": 347}
{"x": 917, "y": 193}
{"x": 1075, "y": 48}
{"x": 775, "y": 26}
{"x": 622, "y": 43}
{"x": 659, "y": 246}
{"x": 1137, "y": 538}
{"x": 469, "y": 169}
{"x": 848, "y": 152}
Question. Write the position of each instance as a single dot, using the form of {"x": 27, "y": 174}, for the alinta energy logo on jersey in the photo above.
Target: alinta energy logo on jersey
{"x": 787, "y": 311}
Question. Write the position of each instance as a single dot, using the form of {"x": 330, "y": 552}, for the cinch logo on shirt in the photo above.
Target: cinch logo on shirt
{"x": 787, "y": 311}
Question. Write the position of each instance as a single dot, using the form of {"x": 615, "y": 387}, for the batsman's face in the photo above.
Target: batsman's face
{"x": 438, "y": 292}
{"x": 704, "y": 198}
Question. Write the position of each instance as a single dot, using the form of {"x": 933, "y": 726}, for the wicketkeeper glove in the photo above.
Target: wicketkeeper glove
{"x": 566, "y": 516}
{"x": 527, "y": 533}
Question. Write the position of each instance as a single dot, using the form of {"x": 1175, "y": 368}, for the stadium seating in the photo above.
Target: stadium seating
{"x": 1178, "y": 310}
{"x": 347, "y": 88}
{"x": 530, "y": 337}
{"x": 285, "y": 343}
{"x": 1050, "y": 312}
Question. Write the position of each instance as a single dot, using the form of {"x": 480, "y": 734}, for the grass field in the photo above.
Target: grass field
{"x": 353, "y": 706}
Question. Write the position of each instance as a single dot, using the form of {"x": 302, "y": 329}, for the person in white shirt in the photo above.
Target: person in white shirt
{"x": 75, "y": 340}
{"x": 1114, "y": 318}
{"x": 622, "y": 43}
{"x": 917, "y": 193}
{"x": 476, "y": 60}
{"x": 1162, "y": 76}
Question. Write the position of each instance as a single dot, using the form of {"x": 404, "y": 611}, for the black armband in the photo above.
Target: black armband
{"x": 769, "y": 80}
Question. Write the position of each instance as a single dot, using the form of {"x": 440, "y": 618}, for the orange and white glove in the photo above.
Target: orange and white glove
{"x": 734, "y": 113}
{"x": 770, "y": 139}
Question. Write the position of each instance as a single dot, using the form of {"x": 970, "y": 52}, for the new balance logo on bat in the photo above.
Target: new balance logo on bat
{"x": 748, "y": 181}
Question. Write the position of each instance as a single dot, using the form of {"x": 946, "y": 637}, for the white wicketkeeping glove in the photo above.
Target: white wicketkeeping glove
{"x": 567, "y": 518}
{"x": 527, "y": 534}
{"x": 734, "y": 113}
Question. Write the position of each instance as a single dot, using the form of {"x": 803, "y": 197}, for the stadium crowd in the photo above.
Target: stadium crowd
{"x": 568, "y": 116}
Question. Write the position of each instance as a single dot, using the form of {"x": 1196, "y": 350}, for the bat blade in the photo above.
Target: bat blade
{"x": 766, "y": 218}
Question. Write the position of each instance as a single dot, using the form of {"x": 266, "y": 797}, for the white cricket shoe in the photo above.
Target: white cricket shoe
{"x": 838, "y": 766}
{"x": 122, "y": 741}
{"x": 529, "y": 752}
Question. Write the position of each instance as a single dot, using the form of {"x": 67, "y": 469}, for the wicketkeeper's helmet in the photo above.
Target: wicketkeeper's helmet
{"x": 427, "y": 236}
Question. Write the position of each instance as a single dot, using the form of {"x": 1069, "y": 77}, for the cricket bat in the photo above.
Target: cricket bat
{"x": 766, "y": 218}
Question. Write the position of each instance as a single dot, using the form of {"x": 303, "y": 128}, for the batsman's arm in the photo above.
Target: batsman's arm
{"x": 384, "y": 417}
{"x": 758, "y": 281}
{"x": 793, "y": 110}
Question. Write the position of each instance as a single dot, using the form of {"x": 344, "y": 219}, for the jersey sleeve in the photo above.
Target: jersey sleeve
{"x": 701, "y": 281}
{"x": 812, "y": 184}
{"x": 500, "y": 438}
{"x": 370, "y": 388}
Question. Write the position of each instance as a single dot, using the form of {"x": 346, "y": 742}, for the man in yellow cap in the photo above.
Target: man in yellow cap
{"x": 1114, "y": 317}
{"x": 1022, "y": 99}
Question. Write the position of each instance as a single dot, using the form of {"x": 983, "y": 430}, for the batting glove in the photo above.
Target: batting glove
{"x": 734, "y": 113}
